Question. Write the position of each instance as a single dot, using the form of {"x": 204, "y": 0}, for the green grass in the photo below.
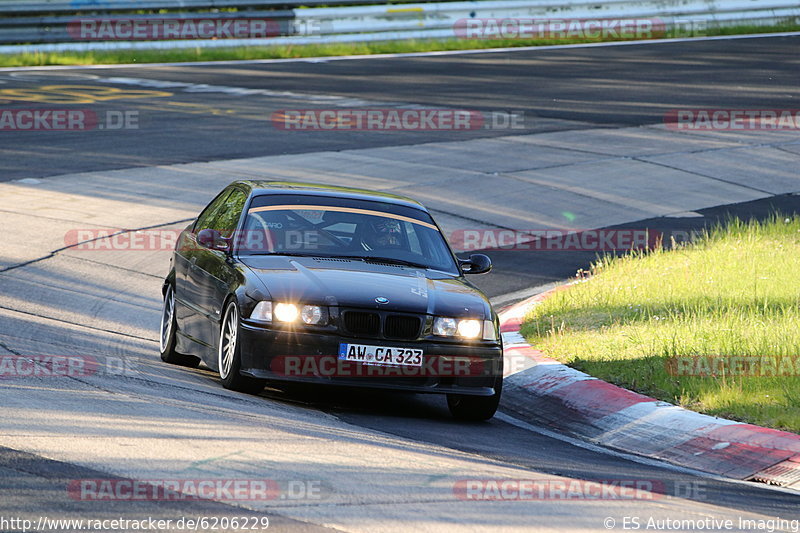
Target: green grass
{"x": 734, "y": 292}
{"x": 313, "y": 50}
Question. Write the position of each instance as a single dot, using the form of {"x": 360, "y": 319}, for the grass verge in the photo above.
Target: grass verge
{"x": 733, "y": 292}
{"x": 314, "y": 50}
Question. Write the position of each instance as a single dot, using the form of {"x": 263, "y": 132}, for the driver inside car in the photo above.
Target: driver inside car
{"x": 383, "y": 234}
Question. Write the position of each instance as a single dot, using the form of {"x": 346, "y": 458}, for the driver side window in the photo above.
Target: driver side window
{"x": 223, "y": 213}
{"x": 228, "y": 218}
{"x": 210, "y": 213}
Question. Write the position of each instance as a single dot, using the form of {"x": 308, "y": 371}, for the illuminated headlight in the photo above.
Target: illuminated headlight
{"x": 469, "y": 329}
{"x": 286, "y": 312}
{"x": 444, "y": 327}
{"x": 262, "y": 312}
{"x": 450, "y": 327}
{"x": 314, "y": 315}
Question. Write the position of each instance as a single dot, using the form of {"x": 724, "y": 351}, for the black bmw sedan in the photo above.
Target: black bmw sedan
{"x": 309, "y": 283}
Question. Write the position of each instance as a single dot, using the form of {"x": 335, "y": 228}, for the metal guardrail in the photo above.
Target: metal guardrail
{"x": 48, "y": 22}
{"x": 51, "y": 7}
{"x": 291, "y": 23}
{"x": 56, "y": 29}
{"x": 16, "y": 7}
{"x": 444, "y": 16}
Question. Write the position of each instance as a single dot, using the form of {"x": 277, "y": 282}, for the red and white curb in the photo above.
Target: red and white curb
{"x": 578, "y": 404}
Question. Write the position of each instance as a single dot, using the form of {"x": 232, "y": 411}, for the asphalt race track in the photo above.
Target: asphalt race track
{"x": 555, "y": 90}
{"x": 592, "y": 152}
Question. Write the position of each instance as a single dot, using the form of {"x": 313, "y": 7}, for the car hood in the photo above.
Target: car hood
{"x": 354, "y": 283}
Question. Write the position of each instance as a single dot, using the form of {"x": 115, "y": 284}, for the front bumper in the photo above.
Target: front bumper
{"x": 312, "y": 357}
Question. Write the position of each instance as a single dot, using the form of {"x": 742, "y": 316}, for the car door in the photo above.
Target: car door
{"x": 213, "y": 272}
{"x": 188, "y": 281}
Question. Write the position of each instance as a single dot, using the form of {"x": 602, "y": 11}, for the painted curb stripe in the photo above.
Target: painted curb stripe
{"x": 582, "y": 405}
{"x": 598, "y": 397}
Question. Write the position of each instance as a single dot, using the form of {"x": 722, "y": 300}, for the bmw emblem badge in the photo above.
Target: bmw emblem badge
{"x": 382, "y": 300}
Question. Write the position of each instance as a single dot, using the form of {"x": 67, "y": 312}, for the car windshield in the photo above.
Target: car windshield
{"x": 322, "y": 226}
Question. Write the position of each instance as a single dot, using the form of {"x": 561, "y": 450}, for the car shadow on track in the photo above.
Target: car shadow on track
{"x": 351, "y": 400}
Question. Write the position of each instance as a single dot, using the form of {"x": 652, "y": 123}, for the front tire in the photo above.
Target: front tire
{"x": 168, "y": 331}
{"x": 475, "y": 408}
{"x": 229, "y": 357}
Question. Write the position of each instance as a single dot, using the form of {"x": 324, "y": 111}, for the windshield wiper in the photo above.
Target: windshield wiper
{"x": 287, "y": 254}
{"x": 374, "y": 259}
{"x": 322, "y": 256}
{"x": 393, "y": 261}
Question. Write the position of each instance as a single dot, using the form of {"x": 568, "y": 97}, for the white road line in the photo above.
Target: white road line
{"x": 508, "y": 298}
{"x": 410, "y": 54}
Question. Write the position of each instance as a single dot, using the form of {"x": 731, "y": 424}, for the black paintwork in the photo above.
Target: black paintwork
{"x": 206, "y": 278}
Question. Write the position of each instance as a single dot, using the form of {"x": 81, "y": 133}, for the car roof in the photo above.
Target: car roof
{"x": 261, "y": 187}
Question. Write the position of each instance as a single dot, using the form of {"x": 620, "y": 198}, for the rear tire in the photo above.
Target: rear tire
{"x": 229, "y": 357}
{"x": 475, "y": 408}
{"x": 169, "y": 327}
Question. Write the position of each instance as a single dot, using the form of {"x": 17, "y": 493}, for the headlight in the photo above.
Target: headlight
{"x": 314, "y": 315}
{"x": 450, "y": 327}
{"x": 444, "y": 327}
{"x": 262, "y": 312}
{"x": 286, "y": 312}
{"x": 469, "y": 329}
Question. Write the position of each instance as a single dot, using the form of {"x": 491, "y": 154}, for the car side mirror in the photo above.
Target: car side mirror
{"x": 476, "y": 264}
{"x": 211, "y": 238}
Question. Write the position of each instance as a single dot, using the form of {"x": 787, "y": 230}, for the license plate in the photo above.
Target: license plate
{"x": 380, "y": 355}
